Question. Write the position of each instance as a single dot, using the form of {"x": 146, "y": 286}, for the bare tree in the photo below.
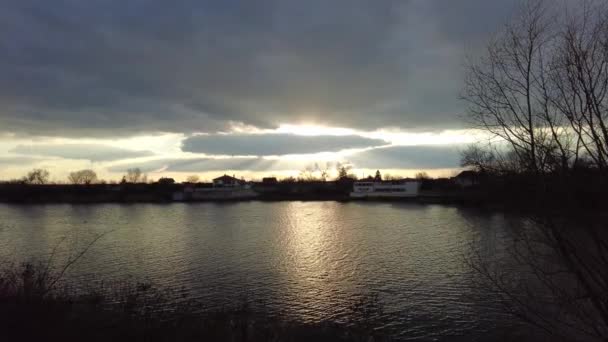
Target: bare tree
{"x": 315, "y": 172}
{"x": 324, "y": 171}
{"x": 558, "y": 277}
{"x": 135, "y": 175}
{"x": 422, "y": 175}
{"x": 37, "y": 176}
{"x": 542, "y": 89}
{"x": 193, "y": 179}
{"x": 307, "y": 175}
{"x": 82, "y": 177}
{"x": 505, "y": 87}
{"x": 501, "y": 160}
{"x": 389, "y": 177}
{"x": 343, "y": 170}
{"x": 289, "y": 179}
{"x": 580, "y": 78}
{"x": 478, "y": 158}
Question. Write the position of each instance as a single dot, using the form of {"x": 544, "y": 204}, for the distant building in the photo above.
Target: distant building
{"x": 269, "y": 180}
{"x": 226, "y": 181}
{"x": 467, "y": 178}
{"x": 222, "y": 188}
{"x": 370, "y": 188}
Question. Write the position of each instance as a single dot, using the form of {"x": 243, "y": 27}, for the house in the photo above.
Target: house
{"x": 467, "y": 178}
{"x": 269, "y": 180}
{"x": 226, "y": 181}
{"x": 223, "y": 188}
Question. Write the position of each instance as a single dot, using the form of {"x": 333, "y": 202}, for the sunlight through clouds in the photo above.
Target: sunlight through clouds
{"x": 381, "y": 74}
{"x": 287, "y": 149}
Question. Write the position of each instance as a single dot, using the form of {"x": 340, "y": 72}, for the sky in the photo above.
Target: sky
{"x": 251, "y": 88}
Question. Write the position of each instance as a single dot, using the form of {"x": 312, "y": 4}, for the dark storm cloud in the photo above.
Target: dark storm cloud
{"x": 115, "y": 67}
{"x": 408, "y": 157}
{"x": 273, "y": 144}
{"x": 92, "y": 152}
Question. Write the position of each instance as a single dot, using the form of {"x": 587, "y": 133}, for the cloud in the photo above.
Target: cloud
{"x": 273, "y": 144}
{"x": 207, "y": 164}
{"x": 394, "y": 157}
{"x": 197, "y": 165}
{"x": 408, "y": 157}
{"x": 18, "y": 161}
{"x": 92, "y": 152}
{"x": 104, "y": 68}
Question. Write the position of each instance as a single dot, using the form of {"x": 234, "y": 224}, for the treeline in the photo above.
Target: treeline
{"x": 136, "y": 176}
{"x": 88, "y": 177}
{"x": 81, "y": 177}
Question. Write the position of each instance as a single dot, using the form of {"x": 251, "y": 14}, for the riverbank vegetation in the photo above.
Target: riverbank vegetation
{"x": 34, "y": 307}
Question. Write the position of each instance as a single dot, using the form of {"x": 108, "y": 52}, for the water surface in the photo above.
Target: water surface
{"x": 309, "y": 261}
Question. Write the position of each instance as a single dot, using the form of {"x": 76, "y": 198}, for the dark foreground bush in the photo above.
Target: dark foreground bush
{"x": 33, "y": 309}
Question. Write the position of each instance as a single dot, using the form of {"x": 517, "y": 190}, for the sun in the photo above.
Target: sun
{"x": 313, "y": 130}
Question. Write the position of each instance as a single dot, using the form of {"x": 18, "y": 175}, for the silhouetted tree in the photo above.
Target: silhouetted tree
{"x": 422, "y": 175}
{"x": 542, "y": 90}
{"x": 135, "y": 176}
{"x": 315, "y": 172}
{"x": 37, "y": 176}
{"x": 166, "y": 181}
{"x": 323, "y": 171}
{"x": 478, "y": 158}
{"x": 193, "y": 179}
{"x": 342, "y": 172}
{"x": 389, "y": 177}
{"x": 82, "y": 177}
{"x": 580, "y": 81}
{"x": 558, "y": 278}
{"x": 378, "y": 176}
{"x": 492, "y": 160}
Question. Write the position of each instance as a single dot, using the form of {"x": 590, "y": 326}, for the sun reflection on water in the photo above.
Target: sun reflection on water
{"x": 305, "y": 260}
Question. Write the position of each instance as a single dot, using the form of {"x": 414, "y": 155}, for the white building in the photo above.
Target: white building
{"x": 226, "y": 181}
{"x": 385, "y": 189}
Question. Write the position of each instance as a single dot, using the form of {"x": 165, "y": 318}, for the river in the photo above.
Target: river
{"x": 308, "y": 261}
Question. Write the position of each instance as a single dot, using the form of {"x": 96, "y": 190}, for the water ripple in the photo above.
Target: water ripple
{"x": 311, "y": 261}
